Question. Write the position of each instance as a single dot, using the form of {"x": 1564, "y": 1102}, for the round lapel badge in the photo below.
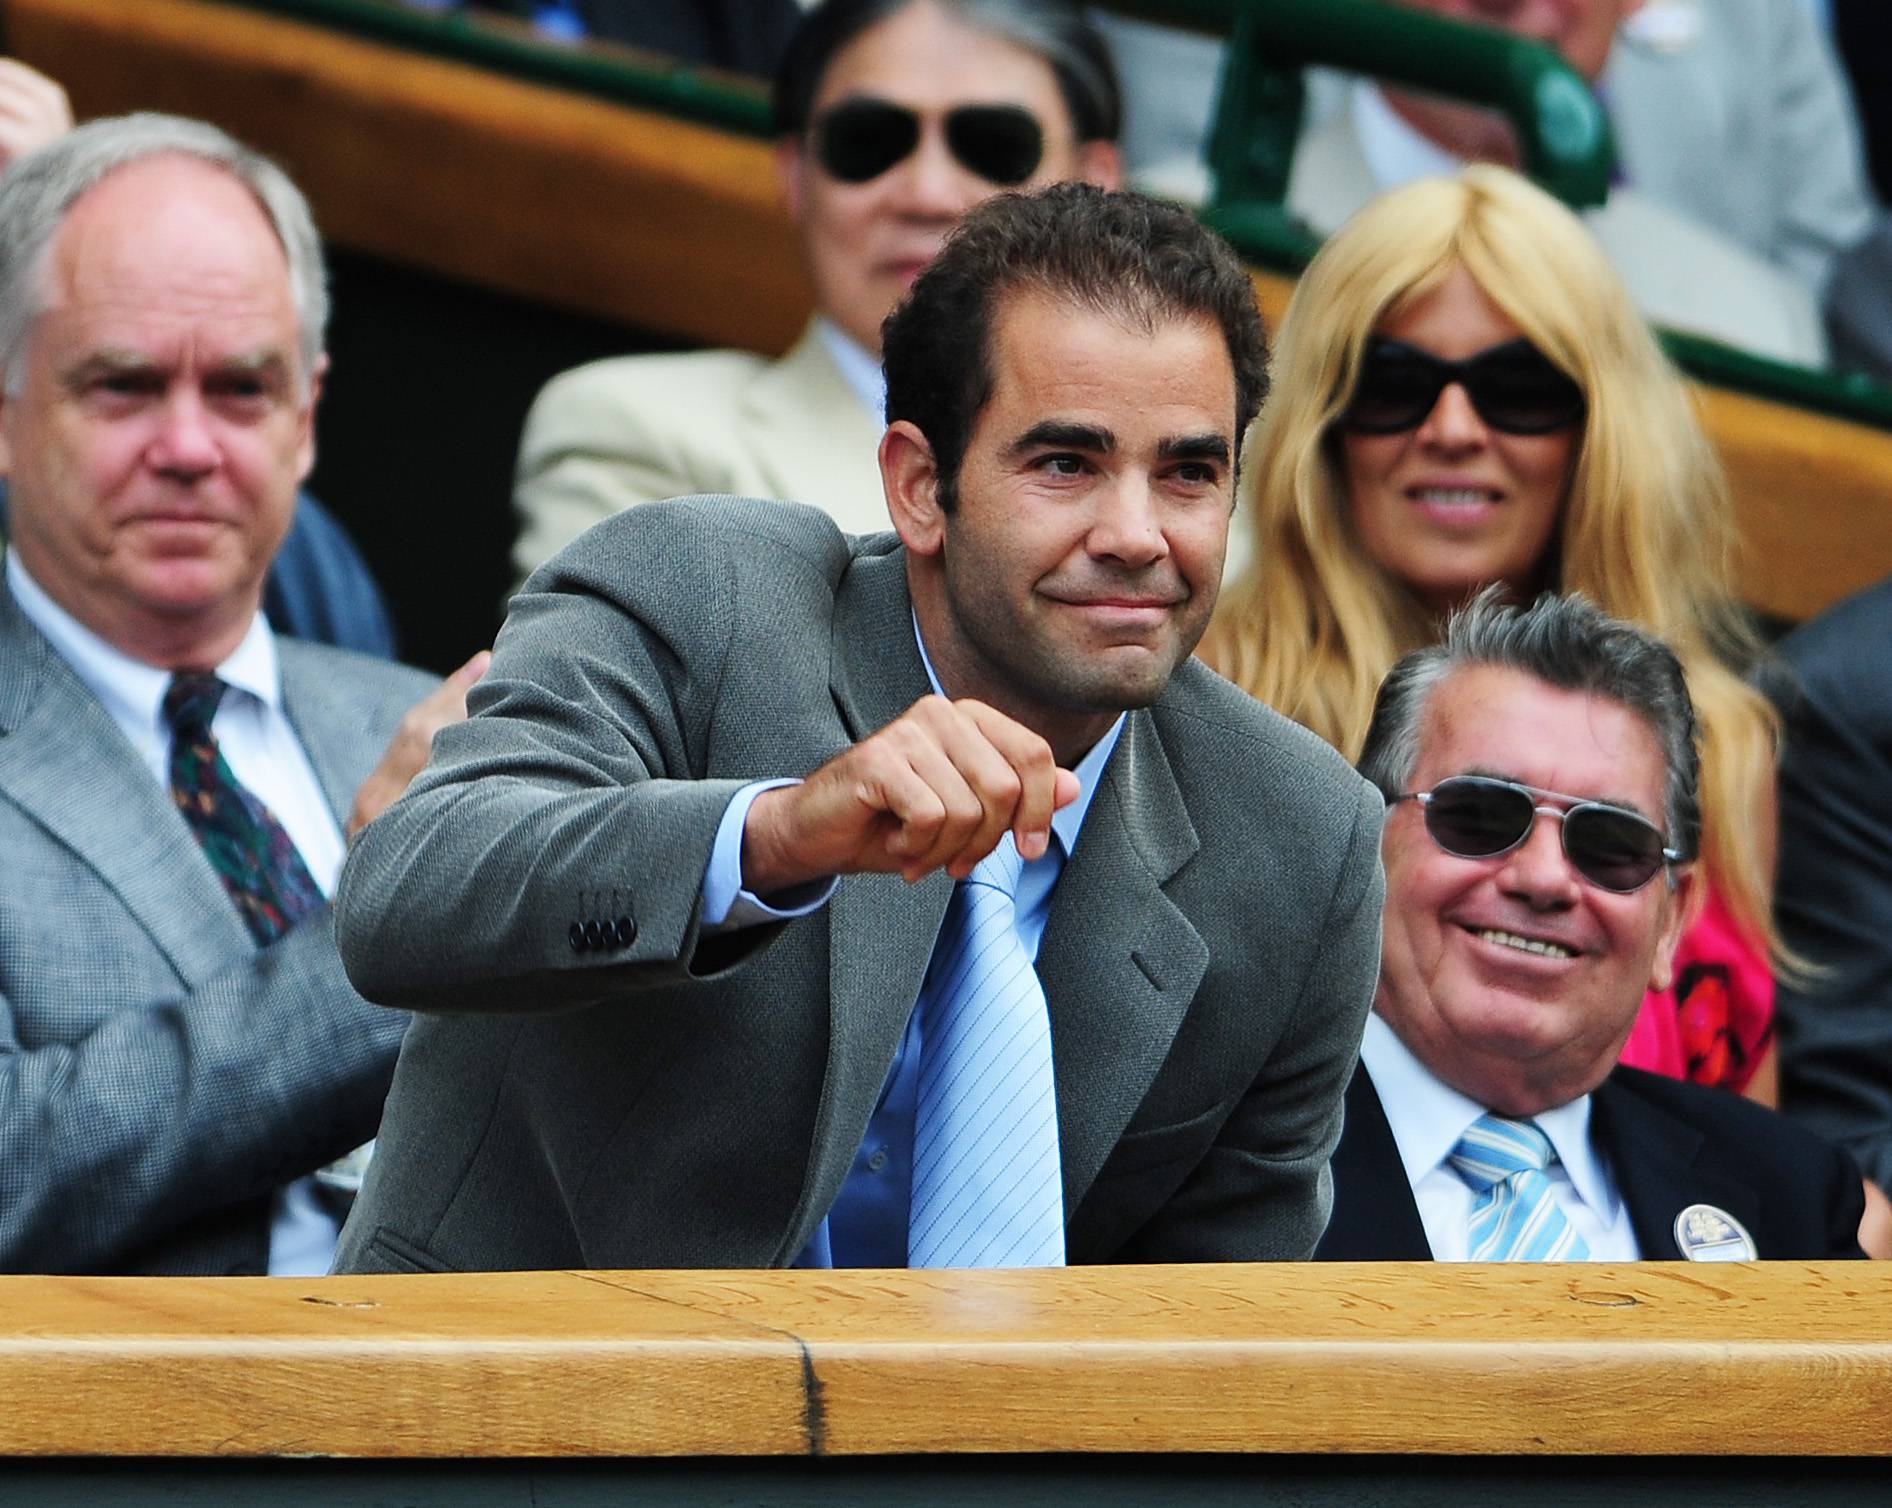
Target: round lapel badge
{"x": 1706, "y": 1234}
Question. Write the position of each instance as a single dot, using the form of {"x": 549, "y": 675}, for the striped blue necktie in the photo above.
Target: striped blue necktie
{"x": 1515, "y": 1217}
{"x": 987, "y": 1188}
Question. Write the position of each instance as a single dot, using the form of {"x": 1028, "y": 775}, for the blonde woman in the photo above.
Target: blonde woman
{"x": 1463, "y": 393}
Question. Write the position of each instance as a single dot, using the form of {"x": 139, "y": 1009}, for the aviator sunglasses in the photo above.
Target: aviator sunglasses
{"x": 1478, "y": 817}
{"x": 1514, "y": 387}
{"x": 859, "y": 139}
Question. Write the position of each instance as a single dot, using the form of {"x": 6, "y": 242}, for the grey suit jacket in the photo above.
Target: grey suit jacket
{"x": 647, "y": 1096}
{"x": 636, "y": 429}
{"x": 159, "y": 1076}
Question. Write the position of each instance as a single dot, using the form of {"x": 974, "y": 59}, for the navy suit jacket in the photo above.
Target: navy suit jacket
{"x": 1669, "y": 1145}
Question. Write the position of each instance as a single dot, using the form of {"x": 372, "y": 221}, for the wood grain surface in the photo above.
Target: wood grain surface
{"x": 1649, "y": 1359}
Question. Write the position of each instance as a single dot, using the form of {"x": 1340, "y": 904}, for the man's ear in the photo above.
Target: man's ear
{"x": 791, "y": 169}
{"x": 305, "y": 443}
{"x": 1101, "y": 163}
{"x": 1685, "y": 901}
{"x": 910, "y": 480}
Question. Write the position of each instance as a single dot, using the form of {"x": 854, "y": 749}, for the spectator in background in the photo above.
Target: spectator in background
{"x": 895, "y": 118}
{"x": 318, "y": 587}
{"x": 182, "y": 1051}
{"x": 1742, "y": 177}
{"x": 1835, "y": 888}
{"x": 1539, "y": 770}
{"x": 1465, "y": 395}
{"x": 1682, "y": 271}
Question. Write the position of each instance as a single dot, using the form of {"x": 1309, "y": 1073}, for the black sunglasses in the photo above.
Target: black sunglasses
{"x": 1514, "y": 387}
{"x": 1478, "y": 817}
{"x": 859, "y": 139}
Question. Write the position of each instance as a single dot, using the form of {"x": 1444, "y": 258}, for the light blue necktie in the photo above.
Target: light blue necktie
{"x": 1515, "y": 1217}
{"x": 987, "y": 1189}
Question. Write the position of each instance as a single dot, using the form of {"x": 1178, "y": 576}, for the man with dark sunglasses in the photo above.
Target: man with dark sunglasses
{"x": 1539, "y": 769}
{"x": 894, "y": 118}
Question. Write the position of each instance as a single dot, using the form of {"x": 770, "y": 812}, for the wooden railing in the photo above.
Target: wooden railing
{"x": 675, "y": 227}
{"x": 1631, "y": 1360}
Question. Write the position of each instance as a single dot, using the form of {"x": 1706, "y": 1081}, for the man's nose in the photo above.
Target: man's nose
{"x": 1128, "y": 527}
{"x": 932, "y": 184}
{"x": 1537, "y": 871}
{"x": 184, "y": 445}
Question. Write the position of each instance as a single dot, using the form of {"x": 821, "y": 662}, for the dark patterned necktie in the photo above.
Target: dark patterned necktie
{"x": 246, "y": 845}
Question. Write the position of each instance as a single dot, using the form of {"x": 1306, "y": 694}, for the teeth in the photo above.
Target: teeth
{"x": 1526, "y": 944}
{"x": 1453, "y": 497}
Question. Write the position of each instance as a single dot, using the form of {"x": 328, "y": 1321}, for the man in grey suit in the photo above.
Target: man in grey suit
{"x": 713, "y": 1020}
{"x": 180, "y": 1045}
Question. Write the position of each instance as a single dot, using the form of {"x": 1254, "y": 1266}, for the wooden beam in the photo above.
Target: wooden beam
{"x": 1767, "y": 1359}
{"x": 575, "y": 202}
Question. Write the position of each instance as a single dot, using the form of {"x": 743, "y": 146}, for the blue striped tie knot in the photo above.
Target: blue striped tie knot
{"x": 987, "y": 1186}
{"x": 1515, "y": 1216}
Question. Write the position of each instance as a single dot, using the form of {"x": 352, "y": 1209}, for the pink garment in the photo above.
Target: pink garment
{"x": 1716, "y": 1023}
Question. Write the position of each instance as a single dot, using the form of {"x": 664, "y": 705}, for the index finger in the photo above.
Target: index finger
{"x": 1043, "y": 786}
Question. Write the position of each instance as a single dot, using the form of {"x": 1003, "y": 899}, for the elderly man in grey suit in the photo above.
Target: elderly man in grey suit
{"x": 180, "y": 1045}
{"x": 907, "y": 900}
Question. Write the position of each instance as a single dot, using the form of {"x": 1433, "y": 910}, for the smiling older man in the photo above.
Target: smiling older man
{"x": 1540, "y": 774}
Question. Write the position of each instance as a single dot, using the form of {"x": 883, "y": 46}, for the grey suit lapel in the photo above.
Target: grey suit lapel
{"x": 1120, "y": 961}
{"x": 64, "y": 762}
{"x": 335, "y": 727}
{"x": 880, "y": 929}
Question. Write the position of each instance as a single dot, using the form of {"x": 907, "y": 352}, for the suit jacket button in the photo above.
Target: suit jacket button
{"x": 594, "y": 934}
{"x": 577, "y": 935}
{"x": 627, "y": 931}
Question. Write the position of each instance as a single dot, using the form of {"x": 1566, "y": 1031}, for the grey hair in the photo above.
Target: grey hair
{"x": 1565, "y": 642}
{"x": 39, "y": 191}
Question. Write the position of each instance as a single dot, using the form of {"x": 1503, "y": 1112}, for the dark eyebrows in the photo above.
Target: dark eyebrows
{"x": 1064, "y": 434}
{"x": 1208, "y": 446}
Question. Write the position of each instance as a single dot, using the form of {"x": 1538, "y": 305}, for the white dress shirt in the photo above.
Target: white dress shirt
{"x": 1428, "y": 1118}
{"x": 264, "y": 753}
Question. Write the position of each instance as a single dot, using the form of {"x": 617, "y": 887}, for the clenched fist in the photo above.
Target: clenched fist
{"x": 934, "y": 789}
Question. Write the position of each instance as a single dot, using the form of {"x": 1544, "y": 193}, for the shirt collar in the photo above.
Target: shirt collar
{"x": 1428, "y": 1117}
{"x": 129, "y": 689}
{"x": 1395, "y": 153}
{"x": 858, "y": 368}
{"x": 1068, "y": 821}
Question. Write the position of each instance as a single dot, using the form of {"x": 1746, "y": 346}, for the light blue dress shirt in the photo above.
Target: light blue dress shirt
{"x": 867, "y": 1227}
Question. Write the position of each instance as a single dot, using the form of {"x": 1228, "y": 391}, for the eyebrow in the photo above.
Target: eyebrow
{"x": 1065, "y": 434}
{"x": 1207, "y": 446}
{"x": 270, "y": 361}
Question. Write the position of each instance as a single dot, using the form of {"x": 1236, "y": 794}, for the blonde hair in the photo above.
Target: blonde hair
{"x": 1647, "y": 529}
